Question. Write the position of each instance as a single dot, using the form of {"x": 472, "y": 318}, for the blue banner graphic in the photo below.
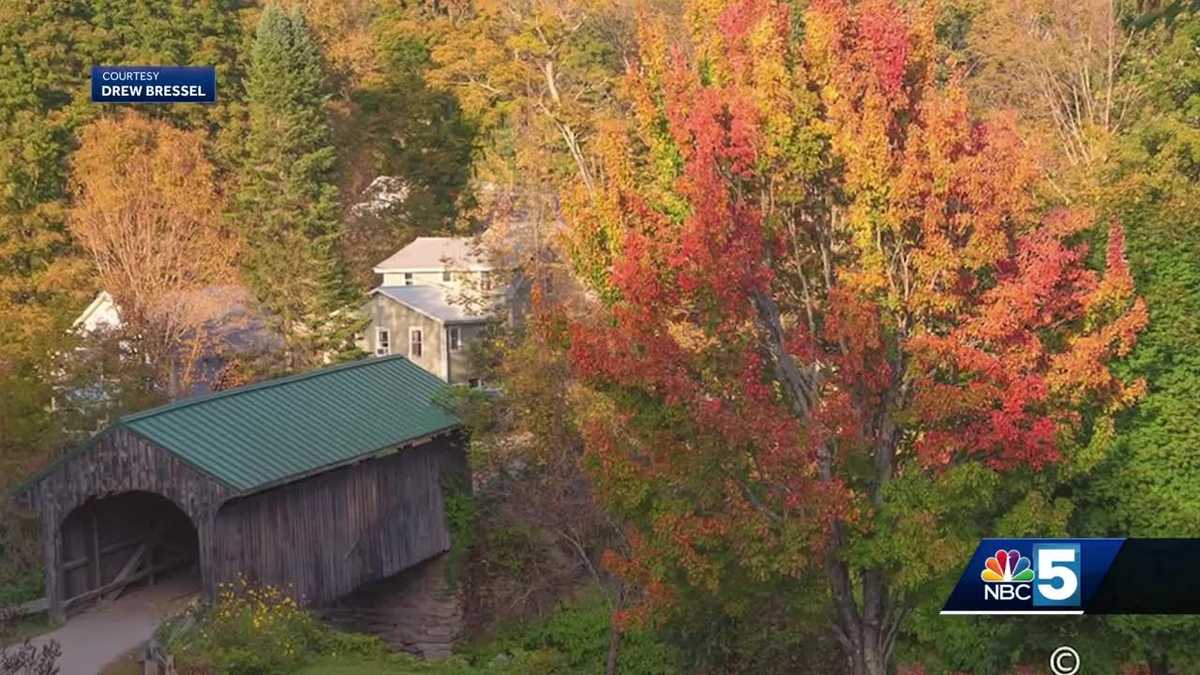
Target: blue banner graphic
{"x": 154, "y": 84}
{"x": 1033, "y": 576}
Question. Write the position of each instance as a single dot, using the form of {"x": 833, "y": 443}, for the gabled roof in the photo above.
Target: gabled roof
{"x": 228, "y": 308}
{"x": 434, "y": 253}
{"x": 273, "y": 432}
{"x": 102, "y": 311}
{"x": 435, "y": 302}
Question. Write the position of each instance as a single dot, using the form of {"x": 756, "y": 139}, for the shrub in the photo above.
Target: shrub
{"x": 574, "y": 639}
{"x": 257, "y": 631}
{"x": 24, "y": 658}
{"x": 18, "y": 586}
{"x": 21, "y": 576}
{"x": 462, "y": 516}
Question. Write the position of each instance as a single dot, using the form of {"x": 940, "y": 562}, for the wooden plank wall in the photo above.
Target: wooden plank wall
{"x": 118, "y": 462}
{"x": 322, "y": 537}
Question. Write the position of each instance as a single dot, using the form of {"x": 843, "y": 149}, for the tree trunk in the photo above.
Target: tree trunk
{"x": 1160, "y": 665}
{"x": 612, "y": 666}
{"x": 172, "y": 377}
{"x": 865, "y": 655}
{"x": 864, "y": 633}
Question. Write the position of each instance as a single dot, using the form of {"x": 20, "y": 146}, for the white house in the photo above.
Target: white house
{"x": 101, "y": 314}
{"x": 437, "y": 297}
{"x": 234, "y": 320}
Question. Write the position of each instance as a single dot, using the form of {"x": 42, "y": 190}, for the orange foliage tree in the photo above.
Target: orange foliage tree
{"x": 832, "y": 317}
{"x": 147, "y": 211}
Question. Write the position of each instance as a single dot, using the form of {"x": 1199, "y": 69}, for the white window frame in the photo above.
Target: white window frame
{"x": 383, "y": 342}
{"x": 454, "y": 338}
{"x": 420, "y": 343}
{"x": 408, "y": 278}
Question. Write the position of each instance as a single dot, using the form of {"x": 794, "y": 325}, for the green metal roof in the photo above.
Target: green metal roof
{"x": 270, "y": 432}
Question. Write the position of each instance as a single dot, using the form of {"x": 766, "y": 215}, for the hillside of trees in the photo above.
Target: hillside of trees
{"x": 825, "y": 290}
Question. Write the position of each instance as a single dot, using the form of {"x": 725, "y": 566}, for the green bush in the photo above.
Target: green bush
{"x": 574, "y": 640}
{"x": 462, "y": 516}
{"x": 21, "y": 585}
{"x": 21, "y": 575}
{"x": 258, "y": 631}
{"x": 520, "y": 663}
{"x": 263, "y": 631}
{"x": 510, "y": 550}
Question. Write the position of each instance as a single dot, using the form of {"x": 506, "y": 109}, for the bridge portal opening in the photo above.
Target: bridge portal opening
{"x": 112, "y": 544}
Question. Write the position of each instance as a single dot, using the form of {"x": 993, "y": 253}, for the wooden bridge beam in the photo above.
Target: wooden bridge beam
{"x": 52, "y": 544}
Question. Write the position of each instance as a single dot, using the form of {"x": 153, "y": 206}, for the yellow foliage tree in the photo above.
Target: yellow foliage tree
{"x": 147, "y": 212}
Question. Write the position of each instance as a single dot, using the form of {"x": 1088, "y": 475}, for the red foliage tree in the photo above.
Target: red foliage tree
{"x": 819, "y": 275}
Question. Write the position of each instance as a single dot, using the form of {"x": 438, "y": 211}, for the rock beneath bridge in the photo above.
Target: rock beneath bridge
{"x": 418, "y": 611}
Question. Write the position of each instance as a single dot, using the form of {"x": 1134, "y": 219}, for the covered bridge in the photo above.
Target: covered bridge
{"x": 316, "y": 483}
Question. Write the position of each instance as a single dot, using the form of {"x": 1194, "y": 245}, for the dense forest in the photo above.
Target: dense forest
{"x": 825, "y": 290}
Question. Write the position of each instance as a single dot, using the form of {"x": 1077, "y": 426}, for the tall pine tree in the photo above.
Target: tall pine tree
{"x": 288, "y": 201}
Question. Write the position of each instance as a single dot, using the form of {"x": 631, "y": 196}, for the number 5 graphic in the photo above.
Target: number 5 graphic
{"x": 1057, "y": 567}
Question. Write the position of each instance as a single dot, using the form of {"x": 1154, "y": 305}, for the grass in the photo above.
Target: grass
{"x": 401, "y": 664}
{"x": 366, "y": 667}
{"x": 28, "y": 627}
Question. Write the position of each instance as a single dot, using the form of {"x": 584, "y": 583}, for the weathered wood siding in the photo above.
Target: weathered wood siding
{"x": 321, "y": 537}
{"x": 118, "y": 462}
{"x": 324, "y": 536}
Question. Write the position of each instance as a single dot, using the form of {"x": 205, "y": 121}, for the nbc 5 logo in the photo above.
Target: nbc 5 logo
{"x": 1058, "y": 579}
{"x": 1050, "y": 579}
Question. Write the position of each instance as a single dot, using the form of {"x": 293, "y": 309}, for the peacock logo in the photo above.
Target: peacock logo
{"x": 1007, "y": 567}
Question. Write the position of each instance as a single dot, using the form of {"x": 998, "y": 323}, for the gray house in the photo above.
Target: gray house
{"x": 437, "y": 298}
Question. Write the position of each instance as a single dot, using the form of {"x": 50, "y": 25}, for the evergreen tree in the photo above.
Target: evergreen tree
{"x": 42, "y": 281}
{"x": 288, "y": 201}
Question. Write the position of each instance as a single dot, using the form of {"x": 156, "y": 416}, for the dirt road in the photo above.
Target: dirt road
{"x": 97, "y": 637}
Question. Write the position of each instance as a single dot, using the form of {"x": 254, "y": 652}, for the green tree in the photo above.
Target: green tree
{"x": 538, "y": 77}
{"x": 40, "y": 280}
{"x": 288, "y": 201}
{"x": 1149, "y": 488}
{"x": 1139, "y": 477}
{"x": 414, "y": 137}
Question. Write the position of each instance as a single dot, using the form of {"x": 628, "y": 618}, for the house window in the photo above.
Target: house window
{"x": 446, "y": 275}
{"x": 455, "y": 338}
{"x": 383, "y": 342}
{"x": 473, "y": 383}
{"x": 408, "y": 278}
{"x": 414, "y": 342}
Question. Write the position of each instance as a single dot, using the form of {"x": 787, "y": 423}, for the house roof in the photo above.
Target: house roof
{"x": 434, "y": 253}
{"x": 101, "y": 310}
{"x": 228, "y": 309}
{"x": 435, "y": 302}
{"x": 273, "y": 432}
